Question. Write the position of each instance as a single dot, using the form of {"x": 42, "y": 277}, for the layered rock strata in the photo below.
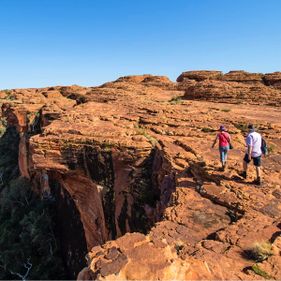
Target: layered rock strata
{"x": 136, "y": 184}
{"x": 232, "y": 87}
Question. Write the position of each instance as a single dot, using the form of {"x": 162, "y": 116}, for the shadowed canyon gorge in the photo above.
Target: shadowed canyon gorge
{"x": 133, "y": 188}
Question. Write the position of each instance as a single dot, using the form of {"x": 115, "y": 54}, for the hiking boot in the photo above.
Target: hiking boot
{"x": 257, "y": 181}
{"x": 243, "y": 175}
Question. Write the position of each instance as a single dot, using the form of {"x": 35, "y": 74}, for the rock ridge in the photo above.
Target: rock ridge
{"x": 129, "y": 165}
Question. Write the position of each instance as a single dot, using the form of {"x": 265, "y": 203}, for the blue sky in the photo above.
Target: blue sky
{"x": 88, "y": 42}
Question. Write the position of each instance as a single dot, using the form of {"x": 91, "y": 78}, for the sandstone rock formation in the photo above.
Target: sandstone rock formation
{"x": 200, "y": 75}
{"x": 136, "y": 184}
{"x": 232, "y": 87}
{"x": 273, "y": 79}
{"x": 243, "y": 76}
{"x": 234, "y": 92}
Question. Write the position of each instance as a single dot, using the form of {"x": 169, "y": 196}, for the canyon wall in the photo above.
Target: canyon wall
{"x": 134, "y": 182}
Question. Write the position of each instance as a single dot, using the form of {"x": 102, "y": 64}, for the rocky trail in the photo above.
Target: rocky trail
{"x": 133, "y": 175}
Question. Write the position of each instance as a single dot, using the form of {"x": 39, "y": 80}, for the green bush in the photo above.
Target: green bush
{"x": 260, "y": 272}
{"x": 27, "y": 238}
{"x": 207, "y": 130}
{"x": 242, "y": 127}
{"x": 261, "y": 251}
{"x": 176, "y": 100}
{"x": 271, "y": 148}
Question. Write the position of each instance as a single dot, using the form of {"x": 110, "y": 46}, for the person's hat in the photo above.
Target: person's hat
{"x": 251, "y": 127}
{"x": 222, "y": 128}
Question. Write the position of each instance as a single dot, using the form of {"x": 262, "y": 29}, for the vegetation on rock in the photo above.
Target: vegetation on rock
{"x": 27, "y": 241}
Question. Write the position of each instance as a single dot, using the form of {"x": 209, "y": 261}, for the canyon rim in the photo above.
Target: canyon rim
{"x": 132, "y": 186}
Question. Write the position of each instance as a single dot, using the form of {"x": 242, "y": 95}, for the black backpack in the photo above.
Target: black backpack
{"x": 264, "y": 148}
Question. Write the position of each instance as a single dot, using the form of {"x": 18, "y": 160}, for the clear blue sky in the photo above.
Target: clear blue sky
{"x": 88, "y": 42}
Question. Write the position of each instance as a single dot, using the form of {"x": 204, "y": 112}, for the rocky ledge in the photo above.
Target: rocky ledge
{"x": 136, "y": 184}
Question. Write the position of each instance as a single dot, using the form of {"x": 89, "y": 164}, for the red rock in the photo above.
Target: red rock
{"x": 200, "y": 75}
{"x": 273, "y": 79}
{"x": 132, "y": 156}
{"x": 244, "y": 77}
{"x": 233, "y": 92}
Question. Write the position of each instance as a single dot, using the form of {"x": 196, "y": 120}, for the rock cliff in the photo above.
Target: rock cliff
{"x": 232, "y": 87}
{"x": 136, "y": 184}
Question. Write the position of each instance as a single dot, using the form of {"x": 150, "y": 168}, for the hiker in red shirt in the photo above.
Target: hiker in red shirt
{"x": 224, "y": 145}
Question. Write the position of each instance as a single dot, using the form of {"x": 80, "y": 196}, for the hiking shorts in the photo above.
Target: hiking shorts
{"x": 223, "y": 153}
{"x": 256, "y": 160}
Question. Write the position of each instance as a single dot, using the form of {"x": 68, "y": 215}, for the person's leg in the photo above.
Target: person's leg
{"x": 226, "y": 154}
{"x": 258, "y": 171}
{"x": 246, "y": 161}
{"x": 225, "y": 157}
{"x": 222, "y": 156}
{"x": 257, "y": 163}
{"x": 245, "y": 166}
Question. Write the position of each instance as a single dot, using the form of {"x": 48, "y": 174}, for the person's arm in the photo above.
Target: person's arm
{"x": 249, "y": 147}
{"x": 215, "y": 141}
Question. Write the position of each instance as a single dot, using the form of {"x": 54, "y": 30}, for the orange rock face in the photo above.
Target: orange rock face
{"x": 200, "y": 75}
{"x": 234, "y": 92}
{"x": 244, "y": 77}
{"x": 273, "y": 79}
{"x": 136, "y": 184}
{"x": 232, "y": 87}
